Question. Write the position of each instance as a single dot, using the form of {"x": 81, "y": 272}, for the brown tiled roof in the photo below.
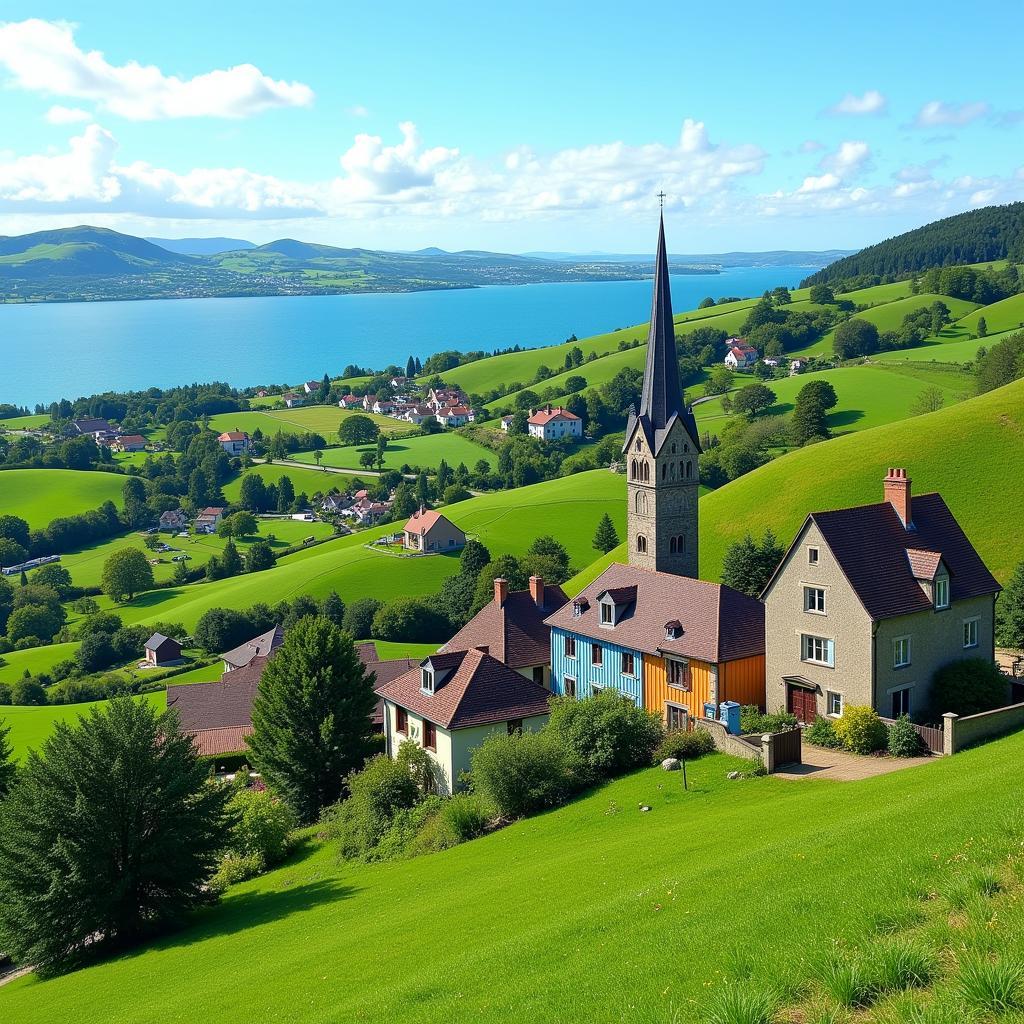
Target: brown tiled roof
{"x": 873, "y": 549}
{"x": 214, "y": 742}
{"x": 258, "y": 647}
{"x": 516, "y": 632}
{"x": 233, "y": 435}
{"x": 226, "y": 704}
{"x": 923, "y": 564}
{"x": 719, "y": 623}
{"x": 479, "y": 690}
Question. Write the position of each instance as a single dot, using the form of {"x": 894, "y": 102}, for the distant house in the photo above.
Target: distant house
{"x": 311, "y": 387}
{"x": 398, "y": 382}
{"x": 335, "y": 504}
{"x": 262, "y": 393}
{"x": 797, "y": 366}
{"x": 455, "y": 416}
{"x": 368, "y": 402}
{"x": 383, "y": 407}
{"x": 438, "y": 398}
{"x": 260, "y": 647}
{"x": 428, "y": 530}
{"x": 417, "y": 414}
{"x": 450, "y": 703}
{"x": 506, "y": 422}
{"x": 769, "y": 361}
{"x": 739, "y": 354}
{"x": 208, "y": 520}
{"x": 129, "y": 443}
{"x": 162, "y": 650}
{"x": 550, "y": 424}
{"x": 234, "y": 442}
{"x": 92, "y": 426}
{"x": 293, "y": 398}
{"x": 369, "y": 512}
{"x": 173, "y": 520}
{"x": 512, "y": 629}
{"x": 350, "y": 402}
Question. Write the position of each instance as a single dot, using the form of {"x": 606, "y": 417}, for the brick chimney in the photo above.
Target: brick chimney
{"x": 500, "y": 591}
{"x": 537, "y": 590}
{"x": 897, "y": 493}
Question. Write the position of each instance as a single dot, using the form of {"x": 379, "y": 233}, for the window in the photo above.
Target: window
{"x": 678, "y": 673}
{"x": 515, "y": 727}
{"x": 538, "y": 674}
{"x": 641, "y": 543}
{"x": 812, "y": 556}
{"x": 677, "y": 545}
{"x": 429, "y": 735}
{"x": 942, "y": 592}
{"x": 901, "y": 652}
{"x": 676, "y": 716}
{"x": 970, "y": 632}
{"x": 596, "y": 654}
{"x": 607, "y": 613}
{"x": 627, "y": 663}
{"x": 817, "y": 649}
{"x": 595, "y": 690}
{"x": 814, "y": 600}
{"x": 900, "y": 702}
{"x": 427, "y": 680}
{"x": 401, "y": 720}
{"x": 570, "y": 647}
{"x": 569, "y": 686}
{"x": 834, "y": 702}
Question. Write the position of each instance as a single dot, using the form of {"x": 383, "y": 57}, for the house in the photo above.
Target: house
{"x": 260, "y": 647}
{"x": 512, "y": 629}
{"x": 311, "y": 387}
{"x": 335, "y": 504}
{"x": 506, "y": 422}
{"x": 430, "y": 531}
{"x": 552, "y": 424}
{"x": 350, "y": 402}
{"x": 162, "y": 650}
{"x": 174, "y": 520}
{"x": 129, "y": 443}
{"x": 92, "y": 425}
{"x": 234, "y": 442}
{"x": 369, "y": 512}
{"x": 870, "y": 601}
{"x": 292, "y": 399}
{"x": 383, "y": 407}
{"x": 208, "y": 520}
{"x": 455, "y": 416}
{"x": 770, "y": 361}
{"x": 368, "y": 402}
{"x": 262, "y": 393}
{"x": 670, "y": 643}
{"x": 450, "y": 703}
{"x": 739, "y": 354}
{"x": 418, "y": 414}
{"x": 438, "y": 398}
{"x": 797, "y": 366}
{"x": 398, "y": 382}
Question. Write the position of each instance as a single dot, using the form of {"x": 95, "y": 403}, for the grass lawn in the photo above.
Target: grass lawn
{"x": 422, "y": 450}
{"x": 310, "y": 481}
{"x": 35, "y": 659}
{"x": 24, "y": 422}
{"x": 322, "y": 419}
{"x": 954, "y": 345}
{"x": 613, "y": 920}
{"x": 40, "y": 495}
{"x": 1006, "y": 315}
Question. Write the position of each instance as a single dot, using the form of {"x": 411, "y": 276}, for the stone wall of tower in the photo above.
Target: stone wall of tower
{"x": 661, "y": 518}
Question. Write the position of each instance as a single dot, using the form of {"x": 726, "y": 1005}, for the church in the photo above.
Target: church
{"x": 652, "y": 629}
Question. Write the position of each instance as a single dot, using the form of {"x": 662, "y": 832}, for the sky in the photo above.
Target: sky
{"x": 534, "y": 126}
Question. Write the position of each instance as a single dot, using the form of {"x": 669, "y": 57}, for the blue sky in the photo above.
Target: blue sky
{"x": 534, "y": 126}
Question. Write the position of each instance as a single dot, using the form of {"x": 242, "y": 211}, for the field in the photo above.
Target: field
{"x": 614, "y": 917}
{"x": 422, "y": 450}
{"x": 320, "y": 419}
{"x": 310, "y": 480}
{"x": 24, "y": 422}
{"x": 40, "y": 495}
{"x": 943, "y": 349}
{"x": 34, "y": 659}
{"x": 1007, "y": 315}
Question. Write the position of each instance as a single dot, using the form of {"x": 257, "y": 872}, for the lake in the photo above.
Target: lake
{"x": 66, "y": 350}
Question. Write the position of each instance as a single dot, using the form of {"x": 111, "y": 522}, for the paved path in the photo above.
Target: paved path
{"x": 820, "y": 763}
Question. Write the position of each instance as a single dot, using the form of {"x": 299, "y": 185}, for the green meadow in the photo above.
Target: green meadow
{"x": 424, "y": 450}
{"x": 40, "y": 495}
{"x": 303, "y": 478}
{"x": 24, "y": 422}
{"x": 1007, "y": 315}
{"x": 321, "y": 419}
{"x": 33, "y": 660}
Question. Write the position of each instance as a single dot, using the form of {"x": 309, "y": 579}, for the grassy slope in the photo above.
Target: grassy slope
{"x": 611, "y": 917}
{"x": 946, "y": 348}
{"x": 24, "y": 422}
{"x": 323, "y": 419}
{"x": 1007, "y": 315}
{"x": 40, "y": 495}
{"x": 972, "y": 453}
{"x": 425, "y": 450}
{"x": 309, "y": 481}
{"x": 35, "y": 659}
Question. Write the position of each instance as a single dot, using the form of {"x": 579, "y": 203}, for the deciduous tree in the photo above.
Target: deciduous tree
{"x": 125, "y": 574}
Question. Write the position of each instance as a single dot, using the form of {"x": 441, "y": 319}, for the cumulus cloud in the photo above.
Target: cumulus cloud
{"x": 851, "y": 105}
{"x": 937, "y": 113}
{"x": 851, "y": 157}
{"x": 84, "y": 172}
{"x": 819, "y": 183}
{"x": 42, "y": 56}
{"x": 67, "y": 115}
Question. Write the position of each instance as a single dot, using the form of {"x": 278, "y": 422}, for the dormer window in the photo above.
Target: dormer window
{"x": 607, "y": 613}
{"x": 673, "y": 630}
{"x": 941, "y": 592}
{"x": 427, "y": 679}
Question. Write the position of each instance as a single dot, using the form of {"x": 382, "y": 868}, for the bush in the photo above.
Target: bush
{"x": 741, "y": 1004}
{"x": 860, "y": 730}
{"x": 235, "y": 868}
{"x": 604, "y": 735}
{"x": 991, "y": 986}
{"x": 684, "y": 745}
{"x": 262, "y": 826}
{"x": 822, "y": 733}
{"x": 902, "y": 963}
{"x": 904, "y": 739}
{"x": 753, "y": 720}
{"x": 968, "y": 686}
{"x": 521, "y": 773}
{"x": 458, "y": 819}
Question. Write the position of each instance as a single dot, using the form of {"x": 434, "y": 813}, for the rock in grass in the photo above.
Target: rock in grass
{"x": 735, "y": 775}
{"x": 670, "y": 764}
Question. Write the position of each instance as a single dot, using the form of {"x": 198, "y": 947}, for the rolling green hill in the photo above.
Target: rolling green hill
{"x": 1006, "y": 315}
{"x": 40, "y": 495}
{"x": 424, "y": 450}
{"x": 320, "y": 419}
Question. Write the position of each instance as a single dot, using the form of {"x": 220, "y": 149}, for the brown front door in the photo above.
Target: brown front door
{"x": 803, "y": 704}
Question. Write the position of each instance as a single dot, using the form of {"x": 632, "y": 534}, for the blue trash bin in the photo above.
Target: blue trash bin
{"x": 709, "y": 709}
{"x": 729, "y": 715}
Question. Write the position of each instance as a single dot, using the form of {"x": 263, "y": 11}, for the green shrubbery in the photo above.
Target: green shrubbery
{"x": 822, "y": 733}
{"x": 904, "y": 739}
{"x": 968, "y": 686}
{"x": 753, "y": 720}
{"x": 684, "y": 745}
{"x": 860, "y": 730}
{"x": 522, "y": 773}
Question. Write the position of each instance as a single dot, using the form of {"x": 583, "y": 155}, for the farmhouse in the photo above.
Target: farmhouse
{"x": 93, "y": 426}
{"x": 234, "y": 442}
{"x": 428, "y": 530}
{"x": 455, "y": 416}
{"x": 260, "y": 647}
{"x": 739, "y": 354}
{"x": 335, "y": 504}
{"x": 438, "y": 398}
{"x": 208, "y": 519}
{"x": 129, "y": 443}
{"x": 450, "y": 703}
{"x": 162, "y": 650}
{"x": 174, "y": 520}
{"x": 384, "y": 406}
{"x": 418, "y": 414}
{"x": 797, "y": 366}
{"x": 311, "y": 387}
{"x": 870, "y": 601}
{"x": 368, "y": 512}
{"x": 550, "y": 424}
{"x": 293, "y": 399}
{"x": 512, "y": 629}
{"x": 350, "y": 402}
{"x": 506, "y": 422}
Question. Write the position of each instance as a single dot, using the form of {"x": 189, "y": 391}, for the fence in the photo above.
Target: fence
{"x": 774, "y": 749}
{"x": 933, "y": 736}
{"x": 960, "y": 732}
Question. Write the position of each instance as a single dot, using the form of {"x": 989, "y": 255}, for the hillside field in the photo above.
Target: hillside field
{"x": 423, "y": 450}
{"x": 40, "y": 495}
{"x": 321, "y": 419}
{"x": 1006, "y": 315}
{"x": 24, "y": 422}
{"x": 305, "y": 479}
{"x": 34, "y": 659}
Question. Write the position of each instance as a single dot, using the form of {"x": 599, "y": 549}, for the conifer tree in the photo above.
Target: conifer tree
{"x": 7, "y": 765}
{"x": 230, "y": 559}
{"x": 311, "y": 717}
{"x": 1010, "y": 611}
{"x": 606, "y": 537}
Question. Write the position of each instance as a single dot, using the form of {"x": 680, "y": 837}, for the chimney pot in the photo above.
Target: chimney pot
{"x": 537, "y": 590}
{"x": 500, "y": 591}
{"x": 896, "y": 490}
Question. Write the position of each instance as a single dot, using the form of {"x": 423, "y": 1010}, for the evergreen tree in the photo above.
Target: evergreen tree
{"x": 419, "y": 366}
{"x": 748, "y": 565}
{"x": 253, "y": 494}
{"x": 260, "y": 556}
{"x": 444, "y": 476}
{"x": 546, "y": 558}
{"x": 410, "y": 367}
{"x": 230, "y": 559}
{"x": 1010, "y": 612}
{"x": 423, "y": 488}
{"x": 606, "y": 537}
{"x": 982, "y": 327}
{"x": 8, "y": 768}
{"x": 285, "y": 494}
{"x": 333, "y": 608}
{"x": 359, "y": 615}
{"x": 311, "y": 717}
{"x": 78, "y": 871}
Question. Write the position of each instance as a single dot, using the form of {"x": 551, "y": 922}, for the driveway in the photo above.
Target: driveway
{"x": 821, "y": 763}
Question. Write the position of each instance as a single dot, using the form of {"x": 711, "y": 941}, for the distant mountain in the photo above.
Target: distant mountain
{"x": 772, "y": 258}
{"x": 202, "y": 246}
{"x": 305, "y": 250}
{"x": 989, "y": 233}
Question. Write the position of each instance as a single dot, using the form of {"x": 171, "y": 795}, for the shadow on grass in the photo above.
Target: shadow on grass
{"x": 845, "y": 417}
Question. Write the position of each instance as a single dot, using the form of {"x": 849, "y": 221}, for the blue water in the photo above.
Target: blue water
{"x": 66, "y": 350}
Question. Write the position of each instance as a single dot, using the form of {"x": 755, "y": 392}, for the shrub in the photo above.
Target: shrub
{"x": 904, "y": 739}
{"x": 753, "y": 720}
{"x": 262, "y": 826}
{"x": 459, "y": 819}
{"x": 521, "y": 773}
{"x": 235, "y": 868}
{"x": 968, "y": 686}
{"x": 684, "y": 745}
{"x": 604, "y": 735}
{"x": 991, "y": 985}
{"x": 860, "y": 730}
{"x": 846, "y": 981}
{"x": 822, "y": 733}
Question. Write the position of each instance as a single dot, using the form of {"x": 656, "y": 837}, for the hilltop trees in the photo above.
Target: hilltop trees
{"x": 1002, "y": 364}
{"x": 749, "y": 564}
{"x": 125, "y": 574}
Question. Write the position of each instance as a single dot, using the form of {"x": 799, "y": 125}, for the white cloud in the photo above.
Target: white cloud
{"x": 84, "y": 172}
{"x": 848, "y": 159}
{"x": 42, "y": 56}
{"x": 936, "y": 113}
{"x": 67, "y": 115}
{"x": 819, "y": 183}
{"x": 872, "y": 102}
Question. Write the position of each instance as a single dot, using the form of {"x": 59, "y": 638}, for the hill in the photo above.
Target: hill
{"x": 40, "y": 495}
{"x": 991, "y": 233}
{"x": 596, "y": 885}
{"x": 202, "y": 246}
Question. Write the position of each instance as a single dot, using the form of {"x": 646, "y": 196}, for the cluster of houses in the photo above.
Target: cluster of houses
{"x": 104, "y": 433}
{"x": 205, "y": 521}
{"x": 741, "y": 355}
{"x": 357, "y": 506}
{"x": 449, "y": 406}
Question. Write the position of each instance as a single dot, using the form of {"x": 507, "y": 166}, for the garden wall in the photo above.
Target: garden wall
{"x": 773, "y": 749}
{"x": 960, "y": 732}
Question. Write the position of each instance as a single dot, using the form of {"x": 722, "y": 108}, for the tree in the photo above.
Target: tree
{"x": 1010, "y": 611}
{"x": 358, "y": 621}
{"x": 809, "y": 419}
{"x": 8, "y": 769}
{"x": 230, "y": 559}
{"x": 259, "y": 557}
{"x": 14, "y": 528}
{"x": 575, "y": 383}
{"x": 606, "y": 537}
{"x": 409, "y": 619}
{"x": 54, "y": 576}
{"x": 382, "y": 447}
{"x": 285, "y": 494}
{"x": 77, "y": 871}
{"x": 358, "y": 429}
{"x": 982, "y": 327}
{"x": 311, "y": 717}
{"x": 243, "y": 524}
{"x": 821, "y": 295}
{"x": 34, "y": 620}
{"x": 930, "y": 399}
{"x": 11, "y": 552}
{"x": 253, "y": 494}
{"x": 706, "y": 302}
{"x": 125, "y": 574}
{"x": 748, "y": 565}
{"x": 1001, "y": 364}
{"x": 854, "y": 338}
{"x": 507, "y": 567}
{"x": 968, "y": 687}
{"x": 333, "y": 608}
{"x": 719, "y": 381}
{"x": 368, "y": 459}
{"x": 546, "y": 558}
{"x": 822, "y": 392}
{"x": 752, "y": 399}
{"x": 317, "y": 457}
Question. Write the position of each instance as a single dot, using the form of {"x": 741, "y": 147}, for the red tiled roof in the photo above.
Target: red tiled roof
{"x": 479, "y": 690}
{"x": 233, "y": 435}
{"x": 131, "y": 439}
{"x": 425, "y": 521}
{"x": 719, "y": 623}
{"x": 212, "y": 511}
{"x": 544, "y": 416}
{"x": 214, "y": 742}
{"x": 924, "y": 564}
{"x": 515, "y": 633}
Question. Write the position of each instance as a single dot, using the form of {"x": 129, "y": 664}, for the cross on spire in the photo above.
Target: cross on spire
{"x": 661, "y": 199}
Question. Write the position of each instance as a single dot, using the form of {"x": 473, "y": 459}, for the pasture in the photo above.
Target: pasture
{"x": 308, "y": 479}
{"x": 40, "y": 495}
{"x": 422, "y": 450}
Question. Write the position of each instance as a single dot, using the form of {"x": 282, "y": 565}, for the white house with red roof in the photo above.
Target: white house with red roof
{"x": 311, "y": 387}
{"x": 740, "y": 354}
{"x": 429, "y": 531}
{"x": 129, "y": 443}
{"x": 554, "y": 423}
{"x": 234, "y": 442}
{"x": 293, "y": 398}
{"x": 208, "y": 520}
{"x": 455, "y": 416}
{"x": 350, "y": 402}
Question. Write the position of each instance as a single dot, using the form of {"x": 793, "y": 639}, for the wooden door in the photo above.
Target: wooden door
{"x": 803, "y": 704}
